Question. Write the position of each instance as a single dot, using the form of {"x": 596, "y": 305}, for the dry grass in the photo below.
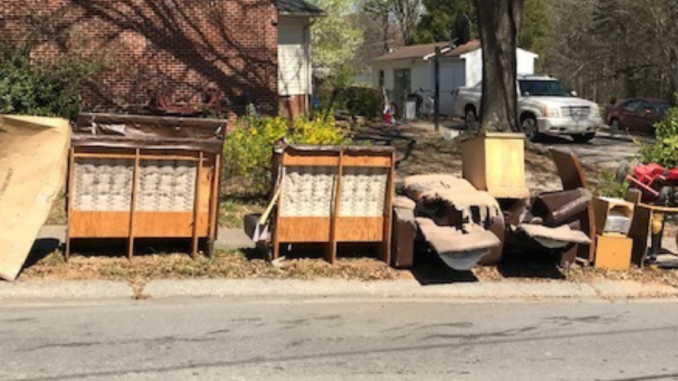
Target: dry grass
{"x": 235, "y": 265}
{"x": 229, "y": 265}
{"x": 57, "y": 215}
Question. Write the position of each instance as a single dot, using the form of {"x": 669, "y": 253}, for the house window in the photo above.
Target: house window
{"x": 382, "y": 76}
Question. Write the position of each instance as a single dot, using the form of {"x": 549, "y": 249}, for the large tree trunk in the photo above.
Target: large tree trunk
{"x": 498, "y": 23}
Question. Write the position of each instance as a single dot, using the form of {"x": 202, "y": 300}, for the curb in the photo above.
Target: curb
{"x": 66, "y": 290}
{"x": 384, "y": 289}
{"x": 633, "y": 290}
{"x": 327, "y": 288}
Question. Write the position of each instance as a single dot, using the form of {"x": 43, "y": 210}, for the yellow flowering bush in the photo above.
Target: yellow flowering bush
{"x": 321, "y": 130}
{"x": 248, "y": 149}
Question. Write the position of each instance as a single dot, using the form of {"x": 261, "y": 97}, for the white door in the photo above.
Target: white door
{"x": 452, "y": 77}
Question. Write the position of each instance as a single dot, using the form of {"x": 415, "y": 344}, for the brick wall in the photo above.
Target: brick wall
{"x": 147, "y": 45}
{"x": 291, "y": 106}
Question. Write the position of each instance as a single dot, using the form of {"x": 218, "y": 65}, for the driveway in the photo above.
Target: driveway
{"x": 606, "y": 150}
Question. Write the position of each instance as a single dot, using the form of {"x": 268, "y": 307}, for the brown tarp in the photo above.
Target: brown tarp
{"x": 149, "y": 133}
{"x": 33, "y": 164}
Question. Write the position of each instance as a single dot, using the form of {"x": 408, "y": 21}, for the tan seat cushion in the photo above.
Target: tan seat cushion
{"x": 552, "y": 237}
{"x": 463, "y": 202}
{"x": 403, "y": 202}
{"x": 416, "y": 186}
{"x": 450, "y": 240}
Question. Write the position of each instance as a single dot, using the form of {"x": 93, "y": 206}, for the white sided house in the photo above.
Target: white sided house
{"x": 295, "y": 73}
{"x": 410, "y": 70}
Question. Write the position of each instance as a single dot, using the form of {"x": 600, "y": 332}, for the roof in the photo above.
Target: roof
{"x": 298, "y": 8}
{"x": 536, "y": 77}
{"x": 421, "y": 51}
{"x": 412, "y": 51}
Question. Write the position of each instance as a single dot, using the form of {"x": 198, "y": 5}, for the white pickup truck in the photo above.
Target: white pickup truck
{"x": 544, "y": 107}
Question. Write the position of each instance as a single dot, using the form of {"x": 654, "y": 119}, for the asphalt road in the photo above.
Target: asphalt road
{"x": 333, "y": 339}
{"x": 606, "y": 150}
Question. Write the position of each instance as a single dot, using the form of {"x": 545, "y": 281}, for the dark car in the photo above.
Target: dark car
{"x": 636, "y": 114}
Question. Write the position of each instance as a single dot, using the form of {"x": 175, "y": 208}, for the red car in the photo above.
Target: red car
{"x": 636, "y": 114}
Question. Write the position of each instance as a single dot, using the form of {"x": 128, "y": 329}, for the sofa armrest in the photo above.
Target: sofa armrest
{"x": 557, "y": 208}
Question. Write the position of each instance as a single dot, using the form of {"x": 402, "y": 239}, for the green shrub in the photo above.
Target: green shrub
{"x": 609, "y": 185}
{"x": 664, "y": 150}
{"x": 42, "y": 89}
{"x": 363, "y": 101}
{"x": 248, "y": 149}
{"x": 357, "y": 101}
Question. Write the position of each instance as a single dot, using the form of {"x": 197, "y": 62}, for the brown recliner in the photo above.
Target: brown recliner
{"x": 557, "y": 215}
{"x": 551, "y": 220}
{"x": 453, "y": 217}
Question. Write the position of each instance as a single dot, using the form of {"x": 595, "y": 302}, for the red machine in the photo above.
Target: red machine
{"x": 658, "y": 185}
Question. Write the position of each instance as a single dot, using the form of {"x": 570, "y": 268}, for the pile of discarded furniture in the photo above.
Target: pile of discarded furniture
{"x": 133, "y": 177}
{"x": 466, "y": 226}
{"x": 345, "y": 194}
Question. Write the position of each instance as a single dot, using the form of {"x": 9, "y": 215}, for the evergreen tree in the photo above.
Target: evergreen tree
{"x": 534, "y": 27}
{"x": 438, "y": 23}
{"x": 446, "y": 20}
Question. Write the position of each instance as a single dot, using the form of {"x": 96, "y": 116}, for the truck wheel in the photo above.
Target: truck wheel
{"x": 583, "y": 138}
{"x": 615, "y": 125}
{"x": 471, "y": 119}
{"x": 530, "y": 128}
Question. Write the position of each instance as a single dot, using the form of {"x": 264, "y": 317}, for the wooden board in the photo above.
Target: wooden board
{"x": 496, "y": 163}
{"x": 473, "y": 163}
{"x": 33, "y": 166}
{"x": 613, "y": 252}
{"x": 147, "y": 224}
{"x": 569, "y": 169}
{"x": 640, "y": 231}
{"x": 572, "y": 176}
{"x": 317, "y": 229}
{"x": 505, "y": 165}
{"x": 330, "y": 161}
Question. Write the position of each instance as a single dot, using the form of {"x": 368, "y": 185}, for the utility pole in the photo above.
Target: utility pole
{"x": 436, "y": 97}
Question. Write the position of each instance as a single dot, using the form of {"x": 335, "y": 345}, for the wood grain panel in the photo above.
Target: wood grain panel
{"x": 473, "y": 162}
{"x": 303, "y": 229}
{"x": 317, "y": 229}
{"x": 505, "y": 165}
{"x": 360, "y": 229}
{"x": 146, "y": 225}
{"x": 333, "y": 161}
{"x": 310, "y": 161}
{"x": 367, "y": 161}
